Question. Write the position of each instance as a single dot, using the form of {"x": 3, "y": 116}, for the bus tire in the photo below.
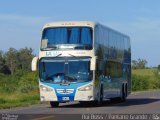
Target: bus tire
{"x": 101, "y": 94}
{"x": 126, "y": 89}
{"x": 123, "y": 97}
{"x": 54, "y": 104}
{"x": 100, "y": 99}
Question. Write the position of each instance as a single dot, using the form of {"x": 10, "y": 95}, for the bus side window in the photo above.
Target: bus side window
{"x": 99, "y": 68}
{"x": 113, "y": 69}
{"x": 107, "y": 69}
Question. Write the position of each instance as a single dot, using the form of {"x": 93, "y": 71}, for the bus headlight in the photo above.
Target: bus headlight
{"x": 86, "y": 88}
{"x": 44, "y": 88}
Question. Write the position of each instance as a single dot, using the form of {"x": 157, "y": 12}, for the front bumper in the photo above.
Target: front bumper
{"x": 61, "y": 95}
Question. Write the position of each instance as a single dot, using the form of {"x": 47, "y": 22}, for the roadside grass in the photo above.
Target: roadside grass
{"x": 20, "y": 89}
{"x": 145, "y": 79}
{"x": 18, "y": 99}
{"x": 143, "y": 72}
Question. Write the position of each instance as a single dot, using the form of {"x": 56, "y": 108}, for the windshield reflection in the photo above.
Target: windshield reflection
{"x": 60, "y": 71}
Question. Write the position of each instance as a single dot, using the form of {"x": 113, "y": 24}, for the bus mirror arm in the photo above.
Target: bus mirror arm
{"x": 34, "y": 64}
{"x": 93, "y": 63}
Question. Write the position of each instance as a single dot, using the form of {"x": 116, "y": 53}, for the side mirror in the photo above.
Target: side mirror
{"x": 93, "y": 63}
{"x": 34, "y": 64}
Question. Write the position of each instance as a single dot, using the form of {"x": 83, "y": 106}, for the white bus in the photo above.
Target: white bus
{"x": 82, "y": 61}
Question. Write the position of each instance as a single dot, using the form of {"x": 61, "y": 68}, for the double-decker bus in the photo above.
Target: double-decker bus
{"x": 82, "y": 61}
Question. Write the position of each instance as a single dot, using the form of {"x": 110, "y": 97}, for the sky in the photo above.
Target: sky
{"x": 21, "y": 22}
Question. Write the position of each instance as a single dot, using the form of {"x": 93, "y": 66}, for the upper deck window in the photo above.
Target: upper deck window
{"x": 67, "y": 38}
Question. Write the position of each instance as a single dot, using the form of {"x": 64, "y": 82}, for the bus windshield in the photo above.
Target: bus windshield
{"x": 67, "y": 38}
{"x": 62, "y": 71}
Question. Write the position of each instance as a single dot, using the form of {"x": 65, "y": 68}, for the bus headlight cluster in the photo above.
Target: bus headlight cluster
{"x": 44, "y": 88}
{"x": 86, "y": 88}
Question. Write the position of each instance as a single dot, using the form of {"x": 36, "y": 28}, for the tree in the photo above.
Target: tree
{"x": 159, "y": 67}
{"x": 14, "y": 60}
{"x": 134, "y": 64}
{"x": 25, "y": 56}
{"x": 139, "y": 64}
{"x": 11, "y": 59}
{"x": 3, "y": 68}
{"x": 142, "y": 63}
{"x": 1, "y": 62}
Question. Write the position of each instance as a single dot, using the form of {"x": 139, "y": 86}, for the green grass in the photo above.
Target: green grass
{"x": 145, "y": 79}
{"x": 143, "y": 72}
{"x": 18, "y": 99}
{"x": 20, "y": 89}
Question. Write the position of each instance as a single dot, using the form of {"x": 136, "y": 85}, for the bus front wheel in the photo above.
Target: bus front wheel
{"x": 100, "y": 96}
{"x": 54, "y": 104}
{"x": 123, "y": 97}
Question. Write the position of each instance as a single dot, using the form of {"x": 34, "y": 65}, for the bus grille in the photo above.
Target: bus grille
{"x": 65, "y": 91}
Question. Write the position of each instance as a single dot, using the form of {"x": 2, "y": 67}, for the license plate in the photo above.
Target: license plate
{"x": 65, "y": 98}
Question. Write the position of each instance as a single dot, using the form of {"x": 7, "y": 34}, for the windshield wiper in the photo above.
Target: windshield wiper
{"x": 72, "y": 55}
{"x": 58, "y": 55}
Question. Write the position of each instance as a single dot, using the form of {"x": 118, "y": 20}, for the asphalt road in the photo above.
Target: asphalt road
{"x": 137, "y": 103}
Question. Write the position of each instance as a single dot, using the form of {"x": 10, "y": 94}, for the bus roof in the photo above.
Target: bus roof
{"x": 70, "y": 23}
{"x": 78, "y": 23}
